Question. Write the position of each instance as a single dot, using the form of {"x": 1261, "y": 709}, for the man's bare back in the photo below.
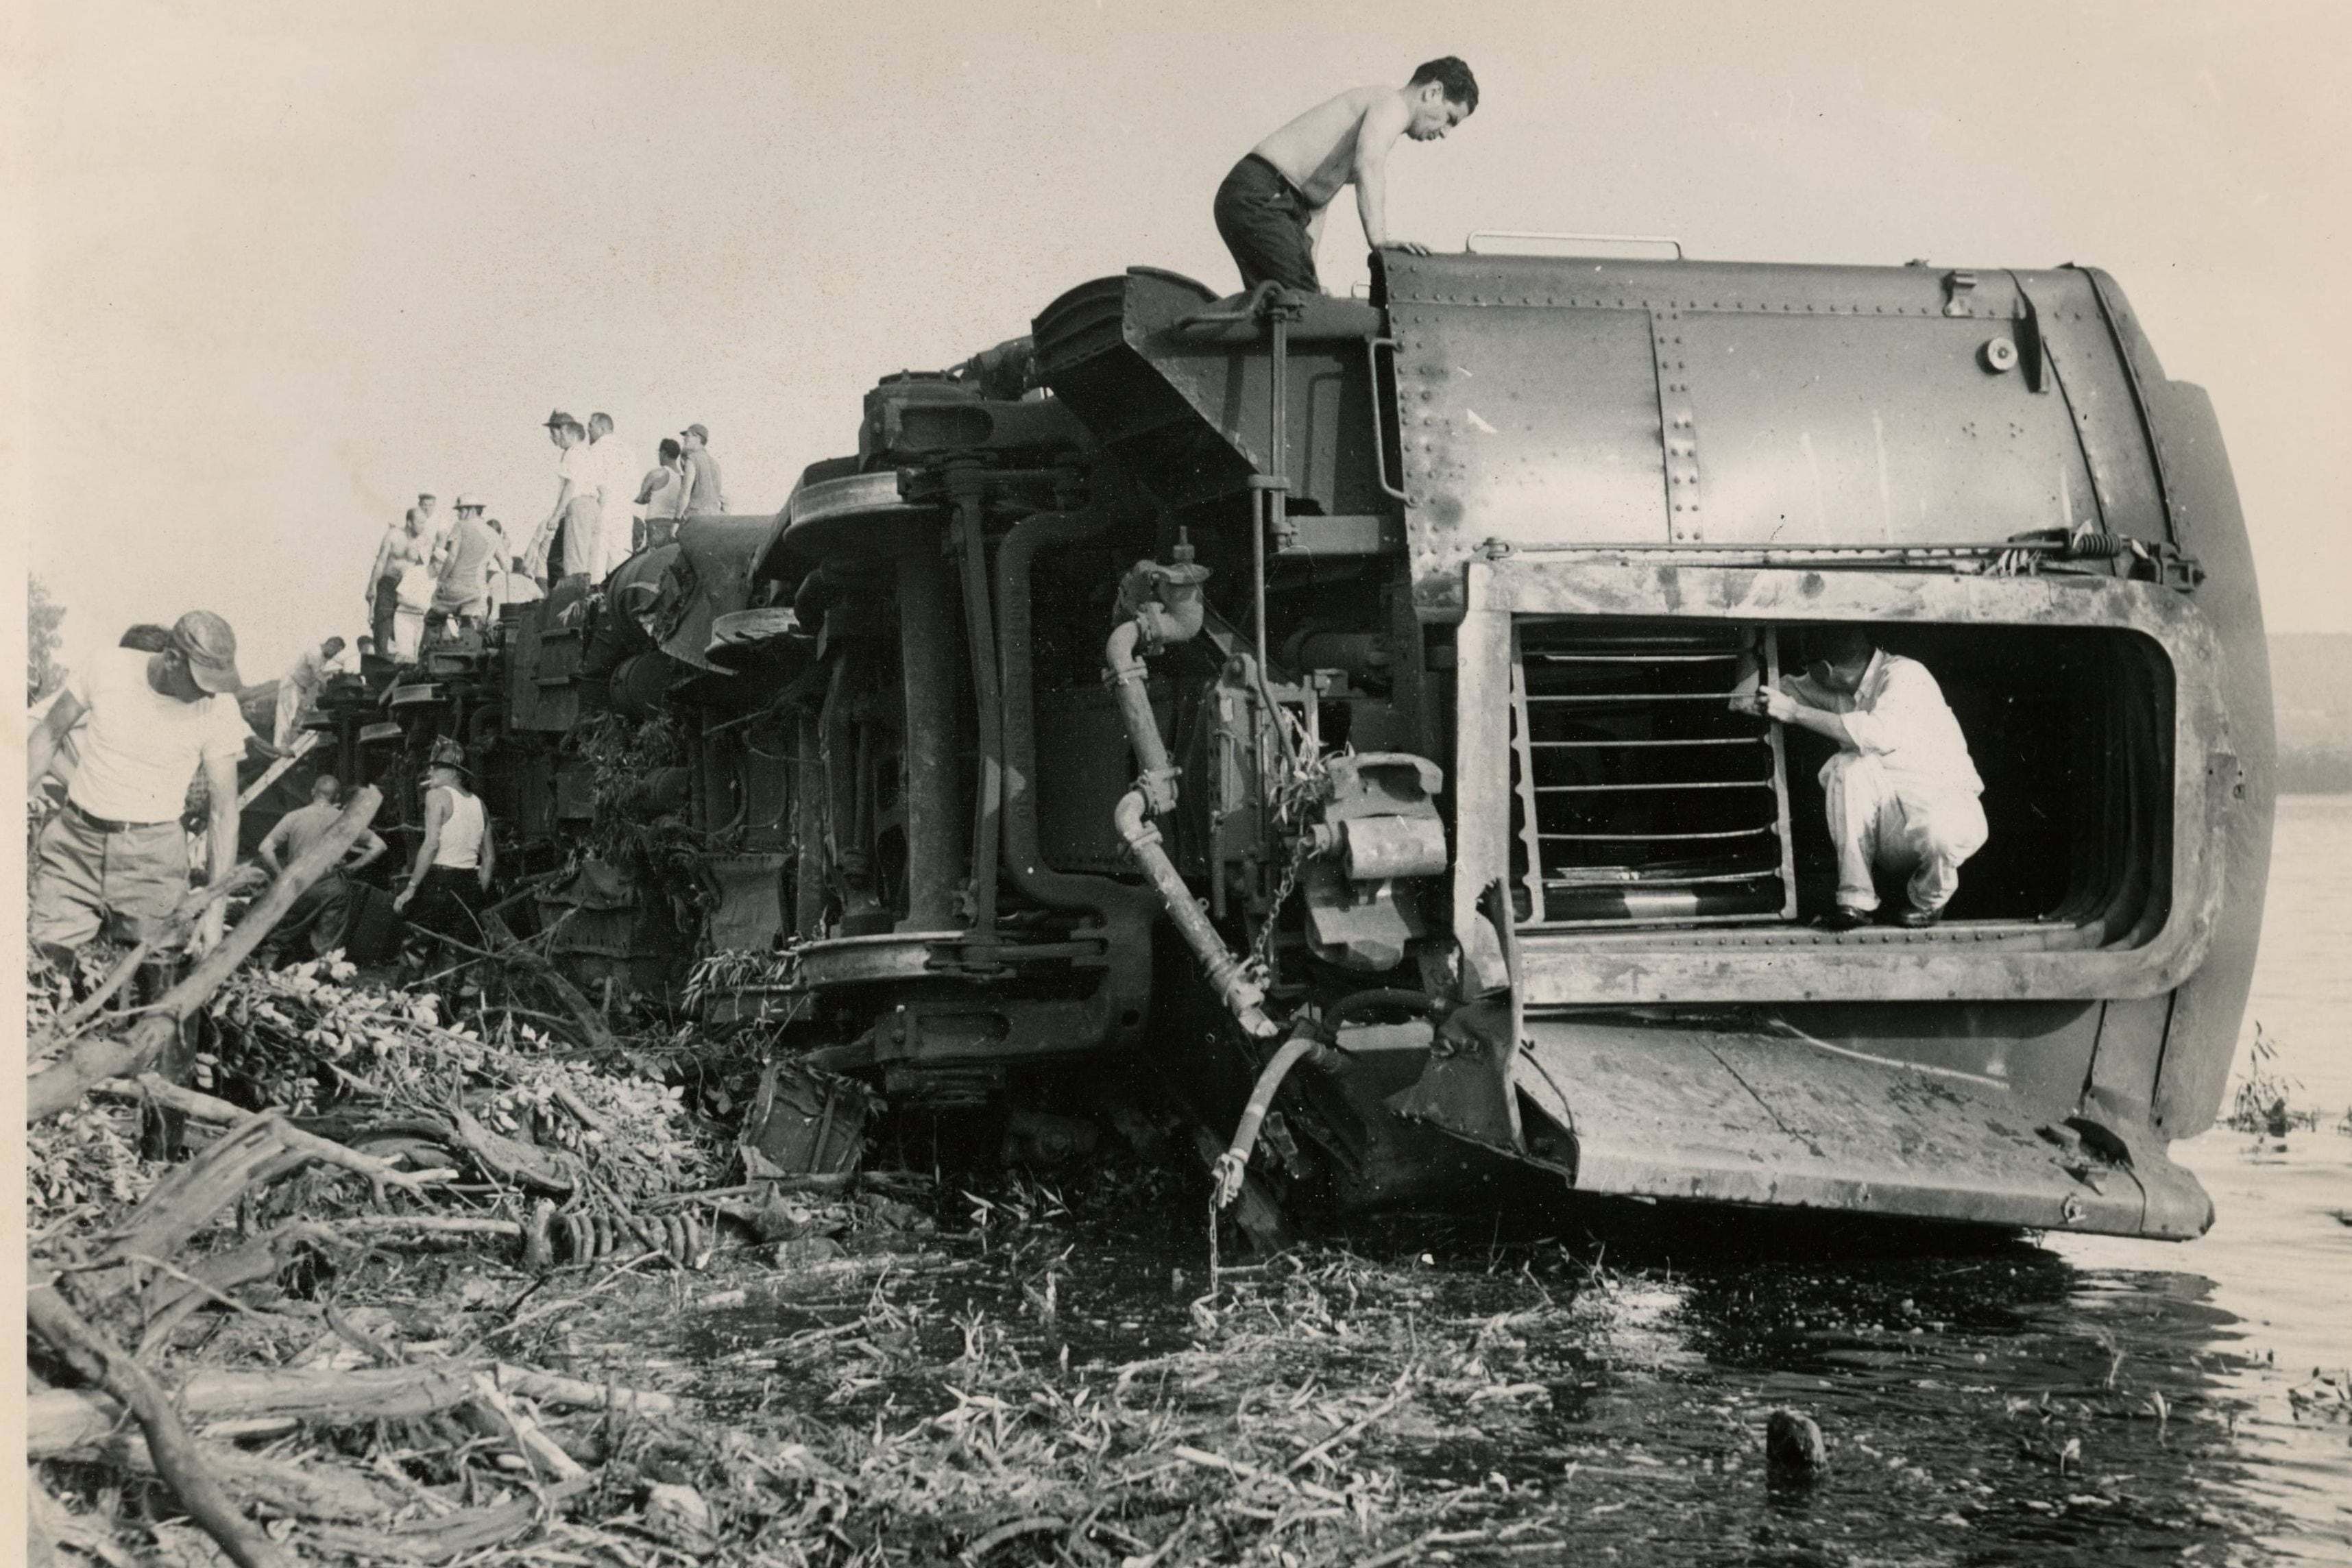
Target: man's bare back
{"x": 1317, "y": 152}
{"x": 1271, "y": 224}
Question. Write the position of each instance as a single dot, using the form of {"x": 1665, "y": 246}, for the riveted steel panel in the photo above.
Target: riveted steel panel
{"x": 1871, "y": 430}
{"x": 1548, "y": 401}
{"x": 1531, "y": 425}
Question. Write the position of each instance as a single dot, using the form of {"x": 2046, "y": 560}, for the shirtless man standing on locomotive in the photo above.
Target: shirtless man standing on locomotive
{"x": 1270, "y": 209}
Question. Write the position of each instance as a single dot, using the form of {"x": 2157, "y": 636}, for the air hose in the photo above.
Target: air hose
{"x": 1303, "y": 1045}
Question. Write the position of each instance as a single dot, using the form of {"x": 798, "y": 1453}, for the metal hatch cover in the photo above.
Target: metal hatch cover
{"x": 1774, "y": 1117}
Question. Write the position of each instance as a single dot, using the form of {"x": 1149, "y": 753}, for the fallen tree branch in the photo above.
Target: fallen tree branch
{"x": 328, "y": 1493}
{"x": 246, "y": 1263}
{"x": 551, "y": 1388}
{"x": 429, "y": 1225}
{"x": 56, "y": 1419}
{"x": 257, "y": 1150}
{"x": 576, "y": 1003}
{"x": 200, "y": 1106}
{"x": 439, "y": 1540}
{"x": 270, "y": 775}
{"x": 512, "y": 1161}
{"x": 61, "y": 1085}
{"x": 176, "y": 1457}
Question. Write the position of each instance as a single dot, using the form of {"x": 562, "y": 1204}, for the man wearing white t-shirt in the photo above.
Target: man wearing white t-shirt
{"x": 569, "y": 536}
{"x": 115, "y": 858}
{"x": 617, "y": 477}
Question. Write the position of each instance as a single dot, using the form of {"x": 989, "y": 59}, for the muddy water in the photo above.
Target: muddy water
{"x": 2066, "y": 1400}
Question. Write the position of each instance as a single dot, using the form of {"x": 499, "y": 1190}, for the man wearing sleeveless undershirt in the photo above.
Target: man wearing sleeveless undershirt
{"x": 1270, "y": 209}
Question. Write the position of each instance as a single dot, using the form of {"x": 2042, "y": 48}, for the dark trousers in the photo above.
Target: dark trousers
{"x": 446, "y": 902}
{"x": 386, "y": 606}
{"x": 1262, "y": 219}
{"x": 313, "y": 926}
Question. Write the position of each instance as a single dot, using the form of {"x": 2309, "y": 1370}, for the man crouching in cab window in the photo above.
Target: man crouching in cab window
{"x": 1901, "y": 791}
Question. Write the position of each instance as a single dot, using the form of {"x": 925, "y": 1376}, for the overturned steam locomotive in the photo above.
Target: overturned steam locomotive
{"x": 1320, "y": 707}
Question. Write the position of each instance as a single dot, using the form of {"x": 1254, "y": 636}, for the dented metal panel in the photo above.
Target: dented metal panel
{"x": 1765, "y": 1117}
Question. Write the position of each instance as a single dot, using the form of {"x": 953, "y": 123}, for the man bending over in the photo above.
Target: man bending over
{"x": 1902, "y": 792}
{"x": 1270, "y": 209}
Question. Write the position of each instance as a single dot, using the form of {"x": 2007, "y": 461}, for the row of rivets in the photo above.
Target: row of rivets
{"x": 1676, "y": 428}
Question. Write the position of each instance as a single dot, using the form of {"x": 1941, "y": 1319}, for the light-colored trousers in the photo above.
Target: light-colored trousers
{"x": 1879, "y": 826}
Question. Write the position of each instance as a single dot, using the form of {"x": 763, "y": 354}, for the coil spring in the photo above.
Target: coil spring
{"x": 583, "y": 1237}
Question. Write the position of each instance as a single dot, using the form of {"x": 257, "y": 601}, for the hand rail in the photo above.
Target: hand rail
{"x": 1380, "y": 446}
{"x": 1470, "y": 245}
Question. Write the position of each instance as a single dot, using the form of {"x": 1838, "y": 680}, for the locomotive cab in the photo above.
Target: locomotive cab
{"x": 1338, "y": 711}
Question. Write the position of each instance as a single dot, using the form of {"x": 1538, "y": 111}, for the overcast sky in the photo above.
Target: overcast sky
{"x": 292, "y": 263}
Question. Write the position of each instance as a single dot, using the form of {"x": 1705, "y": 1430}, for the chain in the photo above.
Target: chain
{"x": 1261, "y": 951}
{"x": 1289, "y": 798}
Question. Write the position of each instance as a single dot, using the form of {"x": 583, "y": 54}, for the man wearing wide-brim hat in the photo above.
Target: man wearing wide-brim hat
{"x": 456, "y": 859}
{"x": 461, "y": 591}
{"x": 562, "y": 541}
{"x": 115, "y": 860}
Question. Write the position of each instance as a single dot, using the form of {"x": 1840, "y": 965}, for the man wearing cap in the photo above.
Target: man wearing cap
{"x": 115, "y": 860}
{"x": 706, "y": 496}
{"x": 567, "y": 537}
{"x": 461, "y": 594}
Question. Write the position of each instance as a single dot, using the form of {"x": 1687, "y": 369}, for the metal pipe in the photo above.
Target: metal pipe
{"x": 1233, "y": 1164}
{"x": 935, "y": 849}
{"x": 808, "y": 830}
{"x": 1127, "y": 677}
{"x": 846, "y": 851}
{"x": 1125, "y": 912}
{"x": 988, "y": 802}
{"x": 1228, "y": 976}
{"x": 1258, "y": 508}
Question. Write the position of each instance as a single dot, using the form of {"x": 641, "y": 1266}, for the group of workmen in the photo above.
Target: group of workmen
{"x": 130, "y": 730}
{"x": 457, "y": 574}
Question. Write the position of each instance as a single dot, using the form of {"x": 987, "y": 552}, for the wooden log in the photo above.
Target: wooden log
{"x": 428, "y": 1224}
{"x": 270, "y": 775}
{"x": 258, "y": 1151}
{"x": 512, "y": 1161}
{"x": 538, "y": 1448}
{"x": 176, "y": 1457}
{"x": 327, "y": 1492}
{"x": 191, "y": 1196}
{"x": 170, "y": 1302}
{"x": 457, "y": 1535}
{"x": 62, "y": 1083}
{"x": 551, "y": 1388}
{"x": 197, "y": 1106}
{"x": 60, "y": 1418}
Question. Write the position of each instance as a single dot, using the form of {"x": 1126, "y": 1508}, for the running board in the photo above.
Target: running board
{"x": 1644, "y": 1111}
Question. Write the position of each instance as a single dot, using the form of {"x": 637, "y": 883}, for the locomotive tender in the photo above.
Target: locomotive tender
{"x": 1324, "y": 704}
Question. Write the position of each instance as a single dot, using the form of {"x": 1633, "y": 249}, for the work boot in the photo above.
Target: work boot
{"x": 1843, "y": 917}
{"x": 1911, "y": 917}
